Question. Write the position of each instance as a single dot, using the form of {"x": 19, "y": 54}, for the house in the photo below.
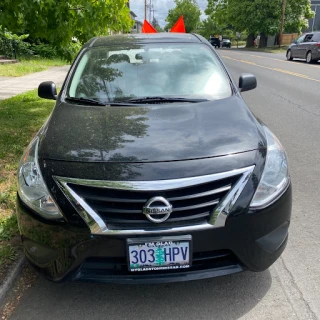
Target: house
{"x": 137, "y": 28}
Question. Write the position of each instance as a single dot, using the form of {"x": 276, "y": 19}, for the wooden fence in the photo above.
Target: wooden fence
{"x": 288, "y": 38}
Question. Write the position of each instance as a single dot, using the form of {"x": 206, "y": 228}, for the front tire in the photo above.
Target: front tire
{"x": 309, "y": 57}
{"x": 289, "y": 55}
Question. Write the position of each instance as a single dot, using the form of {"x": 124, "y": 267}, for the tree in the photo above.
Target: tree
{"x": 297, "y": 14}
{"x": 156, "y": 25}
{"x": 209, "y": 27}
{"x": 160, "y": 259}
{"x": 261, "y": 16}
{"x": 60, "y": 21}
{"x": 189, "y": 9}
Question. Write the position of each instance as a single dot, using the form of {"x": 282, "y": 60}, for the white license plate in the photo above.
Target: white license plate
{"x": 159, "y": 254}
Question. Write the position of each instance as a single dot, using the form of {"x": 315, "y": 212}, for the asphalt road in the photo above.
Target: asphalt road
{"x": 288, "y": 101}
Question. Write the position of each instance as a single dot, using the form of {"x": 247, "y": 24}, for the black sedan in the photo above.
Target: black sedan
{"x": 151, "y": 168}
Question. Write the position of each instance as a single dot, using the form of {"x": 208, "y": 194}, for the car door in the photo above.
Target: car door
{"x": 305, "y": 46}
{"x": 295, "y": 47}
{"x": 315, "y": 46}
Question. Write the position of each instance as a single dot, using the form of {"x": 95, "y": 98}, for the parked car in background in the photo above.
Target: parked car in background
{"x": 226, "y": 43}
{"x": 306, "y": 47}
{"x": 137, "y": 178}
{"x": 215, "y": 42}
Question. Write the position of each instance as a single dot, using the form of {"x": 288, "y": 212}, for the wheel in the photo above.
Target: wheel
{"x": 289, "y": 55}
{"x": 309, "y": 57}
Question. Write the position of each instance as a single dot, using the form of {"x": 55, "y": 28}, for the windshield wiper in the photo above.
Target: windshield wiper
{"x": 144, "y": 100}
{"x": 86, "y": 101}
{"x": 147, "y": 100}
{"x": 98, "y": 103}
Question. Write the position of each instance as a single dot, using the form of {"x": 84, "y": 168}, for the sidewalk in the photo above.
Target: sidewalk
{"x": 11, "y": 86}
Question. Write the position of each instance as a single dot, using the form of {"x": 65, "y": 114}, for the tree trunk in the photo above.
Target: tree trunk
{"x": 263, "y": 40}
{"x": 250, "y": 40}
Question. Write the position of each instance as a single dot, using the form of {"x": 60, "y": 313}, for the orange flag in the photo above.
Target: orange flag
{"x": 179, "y": 26}
{"x": 148, "y": 28}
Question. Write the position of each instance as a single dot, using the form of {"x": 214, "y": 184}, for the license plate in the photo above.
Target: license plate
{"x": 159, "y": 253}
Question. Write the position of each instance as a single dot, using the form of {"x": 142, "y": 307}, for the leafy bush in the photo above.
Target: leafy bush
{"x": 10, "y": 42}
{"x": 69, "y": 53}
{"x": 44, "y": 50}
{"x": 27, "y": 49}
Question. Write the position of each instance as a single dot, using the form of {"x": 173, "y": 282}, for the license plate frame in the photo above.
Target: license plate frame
{"x": 159, "y": 242}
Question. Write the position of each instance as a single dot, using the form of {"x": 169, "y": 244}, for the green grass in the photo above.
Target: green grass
{"x": 28, "y": 66}
{"x": 20, "y": 118}
{"x": 7, "y": 253}
{"x": 8, "y": 228}
{"x": 240, "y": 43}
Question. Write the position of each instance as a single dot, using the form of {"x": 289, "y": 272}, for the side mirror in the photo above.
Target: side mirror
{"x": 247, "y": 82}
{"x": 295, "y": 41}
{"x": 47, "y": 90}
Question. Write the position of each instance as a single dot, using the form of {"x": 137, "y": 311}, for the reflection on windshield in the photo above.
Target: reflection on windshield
{"x": 102, "y": 126}
{"x": 167, "y": 70}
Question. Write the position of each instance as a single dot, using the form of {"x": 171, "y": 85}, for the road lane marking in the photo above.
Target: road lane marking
{"x": 265, "y": 57}
{"x": 303, "y": 76}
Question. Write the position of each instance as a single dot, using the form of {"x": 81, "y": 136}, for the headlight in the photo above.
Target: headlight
{"x": 31, "y": 187}
{"x": 275, "y": 178}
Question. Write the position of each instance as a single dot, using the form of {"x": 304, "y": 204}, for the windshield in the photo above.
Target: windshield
{"x": 109, "y": 74}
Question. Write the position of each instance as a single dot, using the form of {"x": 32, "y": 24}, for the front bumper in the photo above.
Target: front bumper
{"x": 253, "y": 240}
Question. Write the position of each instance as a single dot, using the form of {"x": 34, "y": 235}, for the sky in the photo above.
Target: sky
{"x": 162, "y": 7}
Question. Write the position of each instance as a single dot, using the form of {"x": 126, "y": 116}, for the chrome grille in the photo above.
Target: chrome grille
{"x": 115, "y": 207}
{"x": 122, "y": 209}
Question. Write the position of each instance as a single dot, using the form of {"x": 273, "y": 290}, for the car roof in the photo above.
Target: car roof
{"x": 143, "y": 37}
{"x": 313, "y": 32}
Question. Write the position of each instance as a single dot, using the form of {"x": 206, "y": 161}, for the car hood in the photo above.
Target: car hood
{"x": 150, "y": 133}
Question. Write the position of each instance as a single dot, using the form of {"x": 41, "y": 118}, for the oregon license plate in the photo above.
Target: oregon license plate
{"x": 159, "y": 254}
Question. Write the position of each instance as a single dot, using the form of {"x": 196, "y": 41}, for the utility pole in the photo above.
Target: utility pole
{"x": 145, "y": 9}
{"x": 284, "y": 4}
{"x": 153, "y": 10}
{"x": 150, "y": 8}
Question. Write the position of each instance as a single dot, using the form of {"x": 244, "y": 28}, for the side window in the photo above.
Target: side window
{"x": 301, "y": 39}
{"x": 316, "y": 37}
{"x": 308, "y": 38}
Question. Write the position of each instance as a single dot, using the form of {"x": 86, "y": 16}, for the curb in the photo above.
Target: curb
{"x": 3, "y": 61}
{"x": 10, "y": 280}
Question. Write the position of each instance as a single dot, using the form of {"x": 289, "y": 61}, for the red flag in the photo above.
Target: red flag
{"x": 179, "y": 26}
{"x": 148, "y": 28}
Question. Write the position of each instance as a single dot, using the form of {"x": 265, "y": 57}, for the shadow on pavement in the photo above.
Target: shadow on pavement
{"x": 302, "y": 61}
{"x": 228, "y": 297}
